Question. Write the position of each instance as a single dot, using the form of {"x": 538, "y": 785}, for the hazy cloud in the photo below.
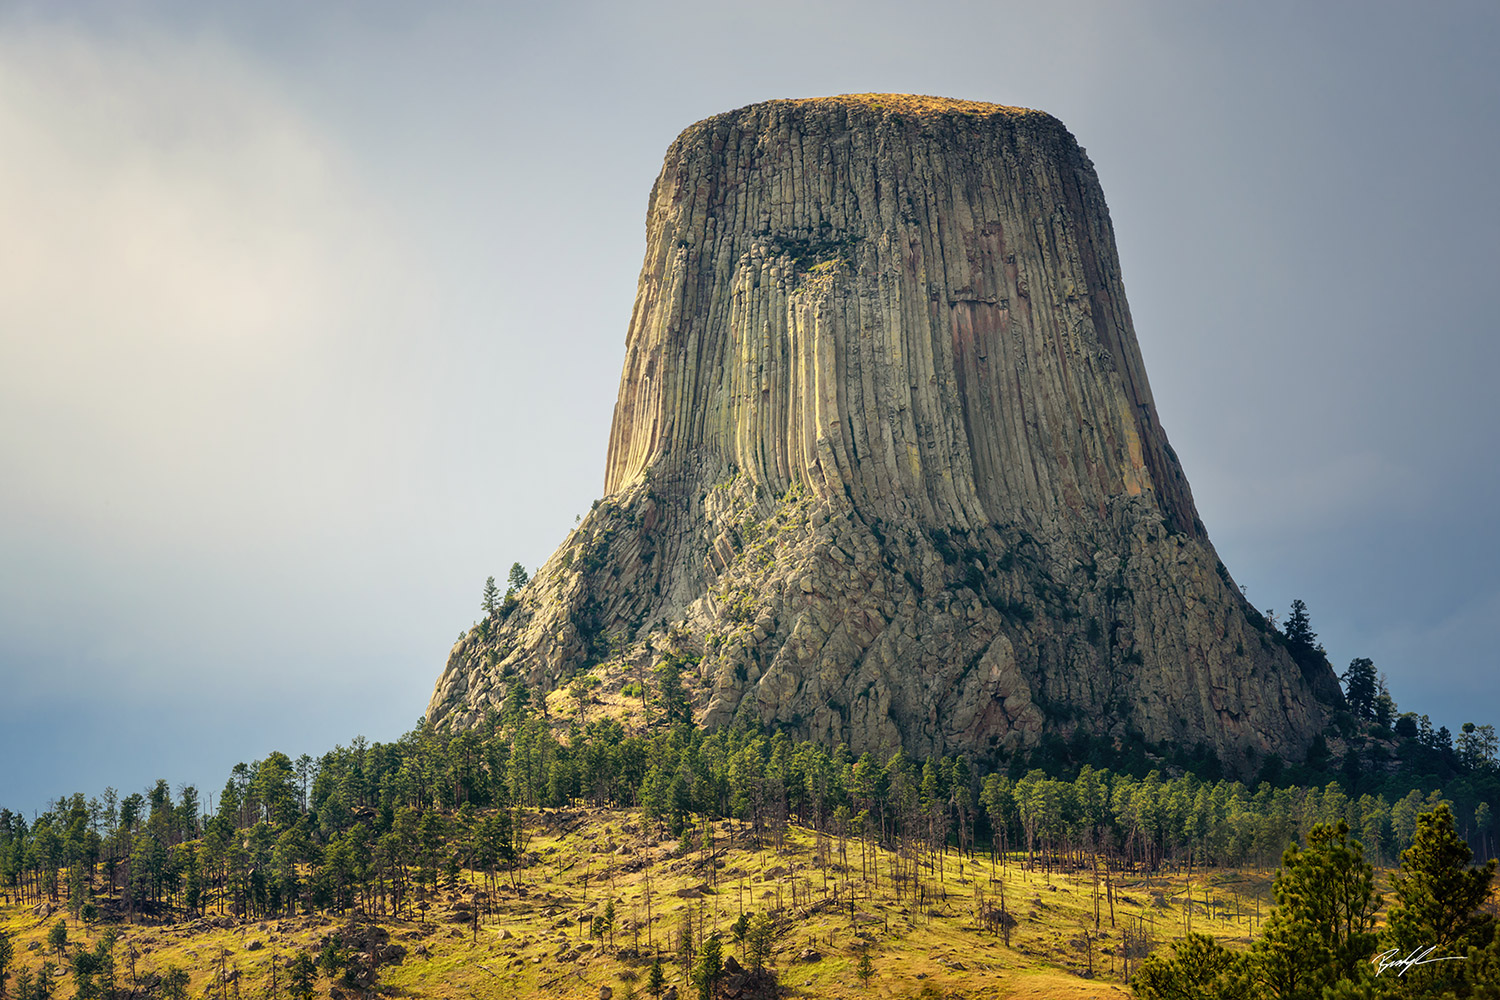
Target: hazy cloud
{"x": 192, "y": 285}
{"x": 184, "y": 259}
{"x": 311, "y": 317}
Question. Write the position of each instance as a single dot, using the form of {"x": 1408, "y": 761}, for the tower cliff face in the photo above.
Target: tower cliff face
{"x": 885, "y": 464}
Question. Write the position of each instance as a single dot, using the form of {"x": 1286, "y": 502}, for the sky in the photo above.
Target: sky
{"x": 312, "y": 317}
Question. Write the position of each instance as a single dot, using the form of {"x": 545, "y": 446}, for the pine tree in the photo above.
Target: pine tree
{"x": 1320, "y": 932}
{"x": 656, "y": 981}
{"x": 1385, "y": 705}
{"x": 46, "y": 981}
{"x": 1439, "y": 905}
{"x": 740, "y": 928}
{"x": 674, "y": 701}
{"x": 760, "y": 938}
{"x": 174, "y": 983}
{"x": 1360, "y": 687}
{"x": 709, "y": 968}
{"x": 1301, "y": 640}
{"x": 7, "y": 953}
{"x": 331, "y": 959}
{"x": 866, "y": 968}
{"x": 1298, "y": 631}
{"x": 94, "y": 971}
{"x": 1406, "y": 726}
{"x": 1200, "y": 968}
{"x": 490, "y": 602}
{"x": 1476, "y": 746}
{"x": 517, "y": 703}
{"x": 303, "y": 976}
{"x": 518, "y": 578}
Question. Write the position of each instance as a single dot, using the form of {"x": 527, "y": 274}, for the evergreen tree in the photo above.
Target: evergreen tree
{"x": 1320, "y": 932}
{"x": 998, "y": 800}
{"x": 46, "y": 981}
{"x": 674, "y": 701}
{"x": 174, "y": 983}
{"x": 709, "y": 968}
{"x": 1439, "y": 905}
{"x": 94, "y": 971}
{"x": 656, "y": 981}
{"x": 760, "y": 938}
{"x": 274, "y": 787}
{"x": 1199, "y": 969}
{"x": 7, "y": 953}
{"x": 866, "y": 968}
{"x": 1360, "y": 686}
{"x": 1476, "y": 746}
{"x": 1302, "y": 641}
{"x": 740, "y": 928}
{"x": 1385, "y": 705}
{"x": 1298, "y": 631}
{"x": 517, "y": 703}
{"x": 489, "y": 603}
{"x": 331, "y": 959}
{"x": 518, "y": 578}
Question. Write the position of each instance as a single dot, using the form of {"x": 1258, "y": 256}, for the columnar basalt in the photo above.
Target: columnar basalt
{"x": 885, "y": 463}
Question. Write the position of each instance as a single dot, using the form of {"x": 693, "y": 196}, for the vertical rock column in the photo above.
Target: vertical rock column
{"x": 885, "y": 460}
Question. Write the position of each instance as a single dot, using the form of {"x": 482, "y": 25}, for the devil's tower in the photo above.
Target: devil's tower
{"x": 885, "y": 464}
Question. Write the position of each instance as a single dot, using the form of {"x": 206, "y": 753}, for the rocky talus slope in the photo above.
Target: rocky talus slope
{"x": 885, "y": 464}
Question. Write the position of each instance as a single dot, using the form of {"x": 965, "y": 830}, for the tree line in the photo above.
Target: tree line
{"x": 372, "y": 828}
{"x": 373, "y": 825}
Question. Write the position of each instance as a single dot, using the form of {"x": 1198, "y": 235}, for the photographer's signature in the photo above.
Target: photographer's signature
{"x": 1392, "y": 960}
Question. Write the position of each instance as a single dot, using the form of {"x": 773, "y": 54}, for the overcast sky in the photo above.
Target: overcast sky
{"x": 312, "y": 316}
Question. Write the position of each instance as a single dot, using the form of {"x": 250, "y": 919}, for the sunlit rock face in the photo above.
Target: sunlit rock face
{"x": 885, "y": 460}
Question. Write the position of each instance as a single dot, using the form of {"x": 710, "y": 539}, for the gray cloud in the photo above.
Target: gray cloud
{"x": 310, "y": 319}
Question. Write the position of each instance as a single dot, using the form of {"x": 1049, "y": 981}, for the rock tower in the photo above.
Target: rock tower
{"x": 885, "y": 467}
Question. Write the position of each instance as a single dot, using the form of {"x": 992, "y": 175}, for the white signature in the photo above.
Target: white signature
{"x": 1390, "y": 960}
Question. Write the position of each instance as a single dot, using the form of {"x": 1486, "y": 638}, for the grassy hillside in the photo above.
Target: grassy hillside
{"x": 488, "y": 862}
{"x": 535, "y": 934}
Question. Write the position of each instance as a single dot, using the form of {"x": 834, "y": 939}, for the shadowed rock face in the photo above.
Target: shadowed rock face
{"x": 885, "y": 458}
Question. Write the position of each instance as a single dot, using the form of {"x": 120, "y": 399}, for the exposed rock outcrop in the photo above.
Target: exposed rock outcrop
{"x": 885, "y": 463}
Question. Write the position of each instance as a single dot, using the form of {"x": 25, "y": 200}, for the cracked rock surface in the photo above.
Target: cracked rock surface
{"x": 885, "y": 467}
